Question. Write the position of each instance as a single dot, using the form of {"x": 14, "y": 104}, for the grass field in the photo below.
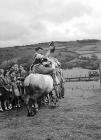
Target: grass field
{"x": 76, "y": 117}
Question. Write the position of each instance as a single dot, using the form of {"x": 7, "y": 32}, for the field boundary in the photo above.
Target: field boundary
{"x": 80, "y": 78}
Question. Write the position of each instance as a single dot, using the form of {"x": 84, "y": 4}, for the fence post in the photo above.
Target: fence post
{"x": 100, "y": 71}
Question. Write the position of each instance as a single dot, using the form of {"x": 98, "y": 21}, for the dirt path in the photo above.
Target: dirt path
{"x": 77, "y": 117}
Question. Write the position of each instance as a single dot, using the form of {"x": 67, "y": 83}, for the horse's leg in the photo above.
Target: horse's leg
{"x": 42, "y": 100}
{"x": 32, "y": 108}
{"x": 39, "y": 102}
{"x": 28, "y": 109}
{"x": 28, "y": 103}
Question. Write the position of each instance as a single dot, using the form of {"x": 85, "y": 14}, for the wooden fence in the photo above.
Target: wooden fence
{"x": 78, "y": 79}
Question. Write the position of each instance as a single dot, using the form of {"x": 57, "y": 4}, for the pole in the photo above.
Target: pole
{"x": 100, "y": 71}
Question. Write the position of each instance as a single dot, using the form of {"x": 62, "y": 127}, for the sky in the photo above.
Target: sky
{"x": 25, "y": 22}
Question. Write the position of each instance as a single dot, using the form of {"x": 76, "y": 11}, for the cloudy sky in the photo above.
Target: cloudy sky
{"x": 33, "y": 21}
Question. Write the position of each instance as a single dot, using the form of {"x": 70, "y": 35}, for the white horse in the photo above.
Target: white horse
{"x": 35, "y": 87}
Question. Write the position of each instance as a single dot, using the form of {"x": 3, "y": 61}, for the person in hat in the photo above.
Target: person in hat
{"x": 22, "y": 71}
{"x": 41, "y": 63}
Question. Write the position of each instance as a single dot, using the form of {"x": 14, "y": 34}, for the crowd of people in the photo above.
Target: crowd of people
{"x": 12, "y": 74}
{"x": 43, "y": 64}
{"x": 11, "y": 81}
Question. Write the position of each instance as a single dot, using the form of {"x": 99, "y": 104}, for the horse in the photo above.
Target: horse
{"x": 35, "y": 87}
{"x": 39, "y": 86}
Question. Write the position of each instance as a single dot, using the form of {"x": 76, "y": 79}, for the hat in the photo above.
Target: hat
{"x": 39, "y": 56}
{"x": 51, "y": 47}
{"x": 51, "y": 44}
{"x": 38, "y": 48}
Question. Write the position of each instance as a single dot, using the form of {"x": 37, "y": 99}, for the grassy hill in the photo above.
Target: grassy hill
{"x": 65, "y": 51}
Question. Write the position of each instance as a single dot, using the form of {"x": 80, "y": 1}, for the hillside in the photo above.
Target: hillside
{"x": 65, "y": 51}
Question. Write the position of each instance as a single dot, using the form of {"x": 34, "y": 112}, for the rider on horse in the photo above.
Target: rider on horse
{"x": 42, "y": 63}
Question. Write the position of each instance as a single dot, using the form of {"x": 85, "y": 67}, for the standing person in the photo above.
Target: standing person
{"x": 7, "y": 77}
{"x": 22, "y": 75}
{"x": 14, "y": 72}
{"x": 22, "y": 71}
{"x": 2, "y": 78}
